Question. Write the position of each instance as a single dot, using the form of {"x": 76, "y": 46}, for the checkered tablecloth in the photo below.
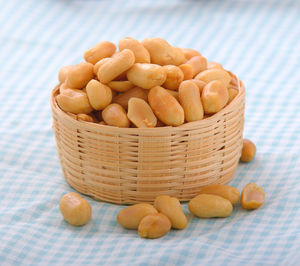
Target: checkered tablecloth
{"x": 257, "y": 40}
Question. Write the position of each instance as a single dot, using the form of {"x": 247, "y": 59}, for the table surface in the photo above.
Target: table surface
{"x": 257, "y": 40}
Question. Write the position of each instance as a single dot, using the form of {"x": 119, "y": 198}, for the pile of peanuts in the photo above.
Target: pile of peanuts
{"x": 156, "y": 221}
{"x": 211, "y": 202}
{"x": 144, "y": 84}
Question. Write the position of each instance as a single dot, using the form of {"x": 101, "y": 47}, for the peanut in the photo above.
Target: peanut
{"x": 174, "y": 77}
{"x": 141, "y": 54}
{"x": 99, "y": 64}
{"x": 189, "y": 53}
{"x": 227, "y": 192}
{"x": 189, "y": 98}
{"x": 63, "y": 73}
{"x": 116, "y": 66}
{"x": 174, "y": 94}
{"x": 63, "y": 87}
{"x": 171, "y": 207}
{"x": 214, "y": 97}
{"x": 165, "y": 106}
{"x": 187, "y": 70}
{"x": 75, "y": 209}
{"x": 214, "y": 74}
{"x": 252, "y": 196}
{"x": 161, "y": 52}
{"x": 248, "y": 150}
{"x": 146, "y": 76}
{"x": 232, "y": 93}
{"x": 85, "y": 117}
{"x": 99, "y": 94}
{"x": 99, "y": 51}
{"x": 123, "y": 98}
{"x": 200, "y": 84}
{"x": 120, "y": 85}
{"x": 79, "y": 75}
{"x": 198, "y": 63}
{"x": 140, "y": 113}
{"x": 209, "y": 206}
{"x": 179, "y": 56}
{"x": 131, "y": 216}
{"x": 214, "y": 65}
{"x": 154, "y": 226}
{"x": 115, "y": 115}
{"x": 74, "y": 101}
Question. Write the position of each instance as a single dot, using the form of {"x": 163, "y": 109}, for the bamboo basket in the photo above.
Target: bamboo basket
{"x": 131, "y": 165}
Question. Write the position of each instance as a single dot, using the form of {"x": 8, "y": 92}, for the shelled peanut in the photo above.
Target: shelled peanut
{"x": 164, "y": 76}
{"x": 212, "y": 201}
{"x": 153, "y": 221}
{"x": 75, "y": 209}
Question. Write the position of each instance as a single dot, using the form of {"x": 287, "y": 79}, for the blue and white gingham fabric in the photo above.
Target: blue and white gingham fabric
{"x": 257, "y": 40}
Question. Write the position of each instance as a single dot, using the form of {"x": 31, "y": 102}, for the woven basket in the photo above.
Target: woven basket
{"x": 130, "y": 165}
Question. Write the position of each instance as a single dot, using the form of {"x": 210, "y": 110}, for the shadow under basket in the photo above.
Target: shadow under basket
{"x": 131, "y": 165}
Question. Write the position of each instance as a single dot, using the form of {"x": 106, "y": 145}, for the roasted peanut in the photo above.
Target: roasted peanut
{"x": 131, "y": 216}
{"x": 154, "y": 226}
{"x": 140, "y": 113}
{"x": 115, "y": 115}
{"x": 120, "y": 85}
{"x": 214, "y": 97}
{"x": 232, "y": 93}
{"x": 63, "y": 87}
{"x": 214, "y": 65}
{"x": 200, "y": 84}
{"x": 75, "y": 209}
{"x": 198, "y": 63}
{"x": 214, "y": 74}
{"x": 165, "y": 107}
{"x": 171, "y": 207}
{"x": 123, "y": 98}
{"x": 189, "y": 53}
{"x": 189, "y": 98}
{"x": 116, "y": 66}
{"x": 252, "y": 196}
{"x": 141, "y": 54}
{"x": 74, "y": 101}
{"x": 174, "y": 94}
{"x": 99, "y": 94}
{"x": 227, "y": 192}
{"x": 146, "y": 76}
{"x": 161, "y": 52}
{"x": 179, "y": 56}
{"x": 100, "y": 63}
{"x": 209, "y": 206}
{"x": 63, "y": 73}
{"x": 248, "y": 150}
{"x": 187, "y": 70}
{"x": 79, "y": 75}
{"x": 85, "y": 117}
{"x": 99, "y": 51}
{"x": 174, "y": 77}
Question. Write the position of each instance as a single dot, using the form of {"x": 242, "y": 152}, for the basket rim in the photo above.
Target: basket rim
{"x": 137, "y": 131}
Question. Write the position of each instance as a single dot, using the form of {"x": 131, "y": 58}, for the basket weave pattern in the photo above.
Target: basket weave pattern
{"x": 130, "y": 165}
